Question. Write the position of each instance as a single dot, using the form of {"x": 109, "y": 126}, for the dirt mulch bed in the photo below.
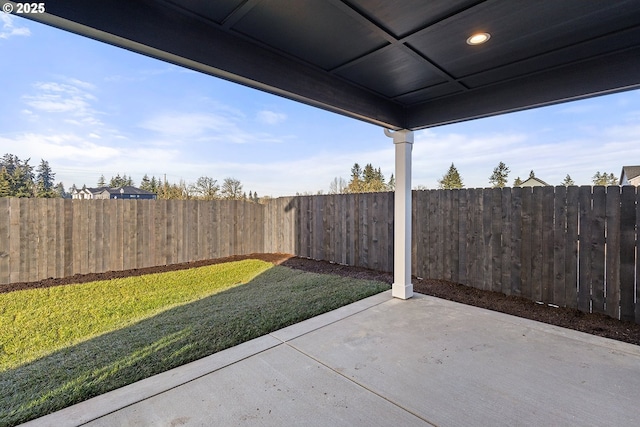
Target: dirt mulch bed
{"x": 596, "y": 324}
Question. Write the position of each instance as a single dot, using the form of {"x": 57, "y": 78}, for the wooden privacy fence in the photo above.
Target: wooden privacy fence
{"x": 569, "y": 246}
{"x": 41, "y": 238}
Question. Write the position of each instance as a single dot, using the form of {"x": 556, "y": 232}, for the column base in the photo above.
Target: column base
{"x": 402, "y": 291}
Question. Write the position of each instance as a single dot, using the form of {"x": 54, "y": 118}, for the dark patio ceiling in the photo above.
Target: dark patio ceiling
{"x": 399, "y": 64}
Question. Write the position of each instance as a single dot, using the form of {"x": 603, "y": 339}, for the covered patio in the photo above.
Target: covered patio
{"x": 403, "y": 65}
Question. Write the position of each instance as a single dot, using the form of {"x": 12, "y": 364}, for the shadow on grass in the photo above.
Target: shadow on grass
{"x": 277, "y": 298}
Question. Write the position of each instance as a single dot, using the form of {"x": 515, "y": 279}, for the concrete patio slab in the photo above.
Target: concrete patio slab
{"x": 383, "y": 361}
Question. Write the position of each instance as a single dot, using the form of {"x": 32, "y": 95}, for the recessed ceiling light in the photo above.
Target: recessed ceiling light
{"x": 478, "y": 38}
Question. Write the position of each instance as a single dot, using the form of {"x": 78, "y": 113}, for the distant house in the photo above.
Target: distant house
{"x": 126, "y": 192}
{"x": 86, "y": 192}
{"x": 630, "y": 175}
{"x": 533, "y": 182}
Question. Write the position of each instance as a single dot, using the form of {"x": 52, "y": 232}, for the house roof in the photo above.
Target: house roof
{"x": 96, "y": 190}
{"x": 630, "y": 172}
{"x": 127, "y": 189}
{"x": 531, "y": 180}
{"x": 399, "y": 64}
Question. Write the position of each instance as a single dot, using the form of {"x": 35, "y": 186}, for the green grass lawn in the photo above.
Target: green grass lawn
{"x": 62, "y": 345}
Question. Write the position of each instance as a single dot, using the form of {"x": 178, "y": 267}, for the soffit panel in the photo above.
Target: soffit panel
{"x": 403, "y": 18}
{"x": 392, "y": 71}
{"x": 217, "y": 10}
{"x": 315, "y": 31}
{"x": 519, "y": 31}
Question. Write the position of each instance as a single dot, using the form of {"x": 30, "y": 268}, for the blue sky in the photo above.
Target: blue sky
{"x": 89, "y": 109}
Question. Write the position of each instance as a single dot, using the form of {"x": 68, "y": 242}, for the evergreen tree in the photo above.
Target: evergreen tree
{"x": 498, "y": 178}
{"x": 604, "y": 179}
{"x": 60, "y": 192}
{"x": 116, "y": 181}
{"x": 44, "y": 180}
{"x": 145, "y": 184}
{"x": 356, "y": 183}
{"x": 364, "y": 180}
{"x": 531, "y": 174}
{"x": 19, "y": 174}
{"x": 451, "y": 179}
{"x": 5, "y": 182}
{"x": 567, "y": 181}
{"x": 391, "y": 185}
{"x": 517, "y": 182}
{"x": 102, "y": 182}
{"x": 255, "y": 197}
{"x": 120, "y": 181}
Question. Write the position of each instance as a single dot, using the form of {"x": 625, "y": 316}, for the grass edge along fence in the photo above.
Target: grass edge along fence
{"x": 568, "y": 246}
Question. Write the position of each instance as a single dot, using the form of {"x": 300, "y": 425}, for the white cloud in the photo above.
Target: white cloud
{"x": 270, "y": 117}
{"x": 65, "y": 146}
{"x": 9, "y": 28}
{"x": 222, "y": 126}
{"x": 70, "y": 102}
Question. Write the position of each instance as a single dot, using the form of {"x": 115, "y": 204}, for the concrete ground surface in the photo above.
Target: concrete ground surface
{"x": 381, "y": 362}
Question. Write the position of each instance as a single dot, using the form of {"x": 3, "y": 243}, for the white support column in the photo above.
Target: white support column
{"x": 402, "y": 287}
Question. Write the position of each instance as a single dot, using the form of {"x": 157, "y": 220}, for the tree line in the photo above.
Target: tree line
{"x": 499, "y": 178}
{"x": 18, "y": 178}
{"x": 205, "y": 188}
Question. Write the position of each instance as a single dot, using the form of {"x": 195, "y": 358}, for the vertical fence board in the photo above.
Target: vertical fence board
{"x": 59, "y": 248}
{"x": 536, "y": 244}
{"x": 129, "y": 233}
{"x": 612, "y": 253}
{"x": 438, "y": 233}
{"x": 347, "y": 202}
{"x": 375, "y": 218}
{"x": 417, "y": 234}
{"x": 112, "y": 228}
{"x": 516, "y": 241}
{"x": 598, "y": 249}
{"x": 390, "y": 231}
{"x": 637, "y": 293}
{"x": 485, "y": 240}
{"x": 342, "y": 239}
{"x": 216, "y": 229}
{"x": 463, "y": 215}
{"x": 571, "y": 248}
{"x": 5, "y": 239}
{"x": 584, "y": 248}
{"x": 318, "y": 213}
{"x": 41, "y": 240}
{"x": 627, "y": 251}
{"x": 495, "y": 240}
{"x": 559, "y": 247}
{"x": 141, "y": 233}
{"x": 527, "y": 255}
{"x": 448, "y": 235}
{"x": 14, "y": 245}
{"x": 506, "y": 250}
{"x": 477, "y": 239}
{"x": 454, "y": 237}
{"x": 548, "y": 195}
